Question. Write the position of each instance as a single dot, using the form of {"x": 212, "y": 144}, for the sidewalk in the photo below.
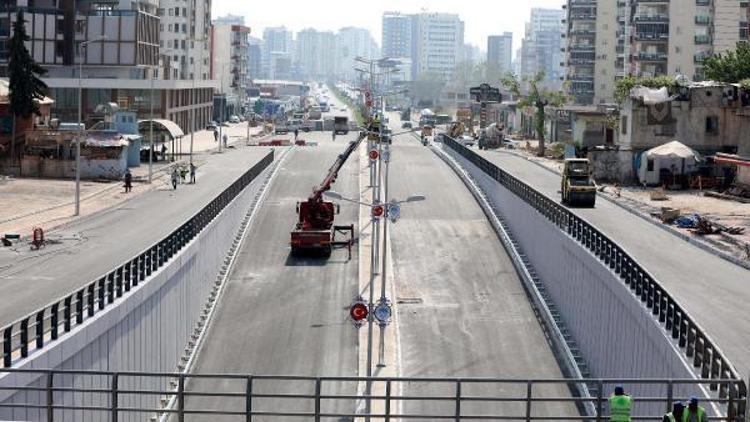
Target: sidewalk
{"x": 50, "y": 203}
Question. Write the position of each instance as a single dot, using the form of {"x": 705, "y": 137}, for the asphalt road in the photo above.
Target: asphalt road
{"x": 462, "y": 310}
{"x": 284, "y": 315}
{"x": 713, "y": 291}
{"x": 89, "y": 248}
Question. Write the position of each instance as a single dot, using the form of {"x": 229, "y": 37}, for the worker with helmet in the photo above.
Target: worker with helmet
{"x": 676, "y": 415}
{"x": 694, "y": 412}
{"x": 620, "y": 405}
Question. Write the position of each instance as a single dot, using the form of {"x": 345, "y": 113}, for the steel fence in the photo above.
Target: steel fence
{"x": 692, "y": 340}
{"x": 250, "y": 397}
{"x": 33, "y": 331}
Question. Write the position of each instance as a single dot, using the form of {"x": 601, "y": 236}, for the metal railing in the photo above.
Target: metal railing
{"x": 692, "y": 340}
{"x": 47, "y": 324}
{"x": 111, "y": 395}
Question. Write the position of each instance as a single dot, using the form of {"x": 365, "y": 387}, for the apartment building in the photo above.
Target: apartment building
{"x": 315, "y": 54}
{"x": 351, "y": 43}
{"x": 500, "y": 53}
{"x": 397, "y": 35}
{"x": 278, "y": 48}
{"x": 438, "y": 43}
{"x": 608, "y": 39}
{"x": 229, "y": 63}
{"x": 541, "y": 46}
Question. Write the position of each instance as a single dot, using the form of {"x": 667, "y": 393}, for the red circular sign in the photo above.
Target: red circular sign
{"x": 358, "y": 311}
{"x": 377, "y": 210}
{"x": 373, "y": 154}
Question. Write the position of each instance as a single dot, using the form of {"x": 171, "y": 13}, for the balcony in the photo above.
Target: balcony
{"x": 582, "y": 48}
{"x": 651, "y": 18}
{"x": 702, "y": 20}
{"x": 702, "y": 39}
{"x": 583, "y": 17}
{"x": 652, "y": 36}
{"x": 651, "y": 57}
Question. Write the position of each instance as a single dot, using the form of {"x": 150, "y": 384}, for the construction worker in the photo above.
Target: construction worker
{"x": 620, "y": 405}
{"x": 694, "y": 412}
{"x": 676, "y": 414}
{"x": 128, "y": 181}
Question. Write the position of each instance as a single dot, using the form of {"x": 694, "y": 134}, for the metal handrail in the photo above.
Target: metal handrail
{"x": 689, "y": 336}
{"x": 33, "y": 331}
{"x": 312, "y": 403}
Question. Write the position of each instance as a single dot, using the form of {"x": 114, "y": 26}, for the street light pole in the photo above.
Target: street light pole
{"x": 151, "y": 131}
{"x": 81, "y": 126}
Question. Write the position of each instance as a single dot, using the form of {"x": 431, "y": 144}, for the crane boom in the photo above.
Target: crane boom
{"x": 333, "y": 172}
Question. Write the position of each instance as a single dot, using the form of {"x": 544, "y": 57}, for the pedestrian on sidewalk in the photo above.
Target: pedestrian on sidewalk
{"x": 694, "y": 412}
{"x": 620, "y": 405}
{"x": 128, "y": 181}
{"x": 676, "y": 414}
{"x": 175, "y": 175}
{"x": 216, "y": 135}
{"x": 128, "y": 178}
{"x": 164, "y": 152}
{"x": 296, "y": 133}
{"x": 192, "y": 173}
{"x": 226, "y": 140}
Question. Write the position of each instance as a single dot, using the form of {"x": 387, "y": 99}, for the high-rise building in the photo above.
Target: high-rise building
{"x": 229, "y": 66}
{"x": 542, "y": 44}
{"x": 255, "y": 57}
{"x": 500, "y": 54}
{"x": 607, "y": 40}
{"x": 397, "y": 35}
{"x": 277, "y": 48}
{"x": 438, "y": 44}
{"x": 127, "y": 46}
{"x": 229, "y": 19}
{"x": 315, "y": 53}
{"x": 353, "y": 42}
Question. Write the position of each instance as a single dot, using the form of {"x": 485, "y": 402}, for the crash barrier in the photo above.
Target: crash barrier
{"x": 95, "y": 395}
{"x": 38, "y": 329}
{"x": 693, "y": 342}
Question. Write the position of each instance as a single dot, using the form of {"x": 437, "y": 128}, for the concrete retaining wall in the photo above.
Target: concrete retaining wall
{"x": 617, "y": 335}
{"x": 147, "y": 331}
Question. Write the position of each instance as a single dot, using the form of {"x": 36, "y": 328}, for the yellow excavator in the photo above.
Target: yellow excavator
{"x": 577, "y": 186}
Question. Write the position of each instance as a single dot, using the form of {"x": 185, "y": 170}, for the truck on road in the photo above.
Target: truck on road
{"x": 341, "y": 125}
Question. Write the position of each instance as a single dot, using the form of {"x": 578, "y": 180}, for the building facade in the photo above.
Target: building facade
{"x": 254, "y": 57}
{"x": 229, "y": 66}
{"x": 315, "y": 54}
{"x": 608, "y": 39}
{"x": 439, "y": 40}
{"x": 351, "y": 43}
{"x": 500, "y": 53}
{"x": 396, "y": 38}
{"x": 278, "y": 47}
{"x": 541, "y": 46}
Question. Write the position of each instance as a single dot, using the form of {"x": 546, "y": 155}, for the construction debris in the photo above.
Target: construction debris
{"x": 703, "y": 226}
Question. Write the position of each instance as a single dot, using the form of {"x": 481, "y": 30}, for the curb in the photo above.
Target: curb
{"x": 669, "y": 229}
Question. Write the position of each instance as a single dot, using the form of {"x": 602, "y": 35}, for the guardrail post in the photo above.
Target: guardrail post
{"x": 113, "y": 399}
{"x": 528, "y": 401}
{"x": 141, "y": 267}
{"x": 249, "y": 399}
{"x": 670, "y": 395}
{"x": 118, "y": 281}
{"x": 147, "y": 264}
{"x": 54, "y": 320}
{"x": 79, "y": 307}
{"x": 387, "y": 417}
{"x": 50, "y": 397}
{"x": 25, "y": 337}
{"x": 39, "y": 328}
{"x": 600, "y": 388}
{"x": 181, "y": 398}
{"x": 154, "y": 261}
{"x": 458, "y": 401}
{"x": 317, "y": 399}
{"x": 7, "y": 346}
{"x": 127, "y": 275}
{"x": 66, "y": 314}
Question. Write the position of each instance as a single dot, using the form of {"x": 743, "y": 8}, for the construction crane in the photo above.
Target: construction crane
{"x": 315, "y": 231}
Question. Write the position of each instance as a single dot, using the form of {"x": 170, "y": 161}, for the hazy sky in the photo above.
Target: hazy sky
{"x": 482, "y": 17}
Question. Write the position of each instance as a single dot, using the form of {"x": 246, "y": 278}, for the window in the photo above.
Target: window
{"x": 170, "y": 27}
{"x": 624, "y": 125}
{"x": 177, "y": 11}
{"x": 176, "y": 44}
{"x": 712, "y": 125}
{"x": 161, "y": 27}
{"x": 171, "y": 12}
{"x": 650, "y": 164}
{"x": 184, "y": 12}
{"x": 184, "y": 28}
{"x": 160, "y": 12}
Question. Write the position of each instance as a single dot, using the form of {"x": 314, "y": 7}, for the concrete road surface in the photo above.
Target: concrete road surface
{"x": 95, "y": 245}
{"x": 462, "y": 309}
{"x": 715, "y": 292}
{"x": 283, "y": 315}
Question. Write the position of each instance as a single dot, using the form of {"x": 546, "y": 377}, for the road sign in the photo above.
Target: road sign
{"x": 383, "y": 312}
{"x": 377, "y": 211}
{"x": 485, "y": 93}
{"x": 358, "y": 312}
{"x": 394, "y": 211}
{"x": 386, "y": 155}
{"x": 373, "y": 154}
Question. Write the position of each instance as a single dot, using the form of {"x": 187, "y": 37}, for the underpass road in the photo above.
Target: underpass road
{"x": 462, "y": 308}
{"x": 713, "y": 291}
{"x": 282, "y": 315}
{"x": 94, "y": 245}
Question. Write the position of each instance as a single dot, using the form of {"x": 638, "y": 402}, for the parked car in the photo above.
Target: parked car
{"x": 234, "y": 119}
{"x": 212, "y": 125}
{"x": 281, "y": 129}
{"x": 406, "y": 125}
{"x": 466, "y": 140}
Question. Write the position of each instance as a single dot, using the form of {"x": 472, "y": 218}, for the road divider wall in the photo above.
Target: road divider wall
{"x": 624, "y": 322}
{"x": 140, "y": 316}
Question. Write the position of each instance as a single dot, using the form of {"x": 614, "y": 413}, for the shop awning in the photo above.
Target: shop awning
{"x": 162, "y": 125}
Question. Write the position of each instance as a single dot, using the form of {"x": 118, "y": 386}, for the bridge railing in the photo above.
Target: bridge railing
{"x": 691, "y": 338}
{"x": 109, "y": 396}
{"x": 33, "y": 331}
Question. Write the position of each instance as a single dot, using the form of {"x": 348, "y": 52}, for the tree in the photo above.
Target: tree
{"x": 24, "y": 84}
{"x": 730, "y": 67}
{"x": 536, "y": 96}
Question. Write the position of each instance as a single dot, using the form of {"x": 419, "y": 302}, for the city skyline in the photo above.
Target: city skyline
{"x": 479, "y": 23}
